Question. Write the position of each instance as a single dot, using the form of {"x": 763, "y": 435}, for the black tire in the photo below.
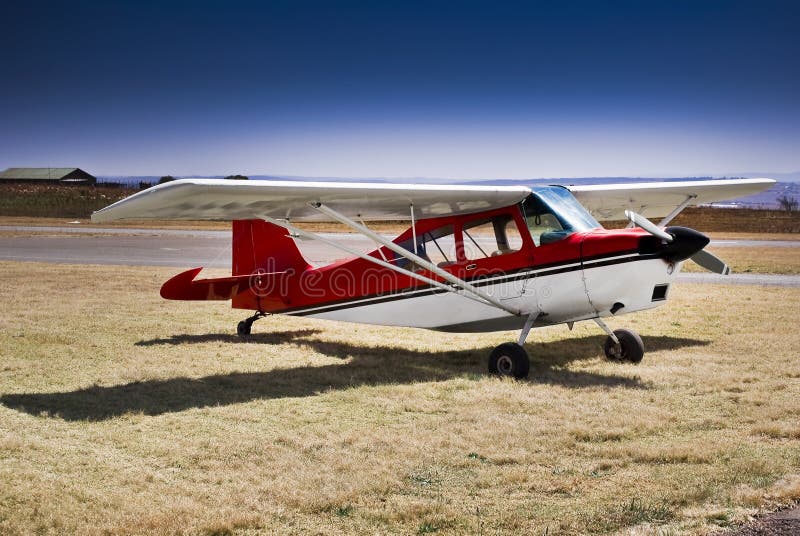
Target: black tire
{"x": 509, "y": 359}
{"x": 243, "y": 328}
{"x": 631, "y": 347}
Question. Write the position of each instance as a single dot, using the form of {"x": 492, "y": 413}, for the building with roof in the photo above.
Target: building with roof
{"x": 47, "y": 176}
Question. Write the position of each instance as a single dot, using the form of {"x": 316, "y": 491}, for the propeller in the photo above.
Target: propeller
{"x": 682, "y": 243}
{"x": 711, "y": 262}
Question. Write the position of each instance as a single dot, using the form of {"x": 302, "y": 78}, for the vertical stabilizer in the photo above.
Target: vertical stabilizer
{"x": 261, "y": 247}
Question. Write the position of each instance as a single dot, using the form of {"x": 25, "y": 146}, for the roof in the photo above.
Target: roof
{"x": 53, "y": 174}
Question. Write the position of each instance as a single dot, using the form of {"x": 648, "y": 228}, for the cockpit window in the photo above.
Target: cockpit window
{"x": 553, "y": 214}
{"x": 437, "y": 246}
{"x": 491, "y": 237}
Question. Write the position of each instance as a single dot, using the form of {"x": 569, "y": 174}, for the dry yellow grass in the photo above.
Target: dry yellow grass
{"x": 122, "y": 413}
{"x": 762, "y": 260}
{"x": 754, "y": 236}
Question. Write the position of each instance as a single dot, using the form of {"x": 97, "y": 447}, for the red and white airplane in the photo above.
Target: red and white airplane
{"x": 475, "y": 259}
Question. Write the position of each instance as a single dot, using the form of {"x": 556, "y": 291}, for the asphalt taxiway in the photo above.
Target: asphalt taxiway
{"x": 212, "y": 249}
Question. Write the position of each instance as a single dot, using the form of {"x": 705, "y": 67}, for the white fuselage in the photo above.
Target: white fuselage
{"x": 567, "y": 293}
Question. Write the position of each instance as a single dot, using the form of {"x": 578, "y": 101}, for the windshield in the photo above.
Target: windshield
{"x": 553, "y": 213}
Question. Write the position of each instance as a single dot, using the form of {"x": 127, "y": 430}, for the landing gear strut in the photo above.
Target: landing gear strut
{"x": 622, "y": 344}
{"x": 243, "y": 328}
{"x": 511, "y": 359}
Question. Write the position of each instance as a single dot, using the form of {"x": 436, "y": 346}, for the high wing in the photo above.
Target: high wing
{"x": 224, "y": 199}
{"x": 609, "y": 202}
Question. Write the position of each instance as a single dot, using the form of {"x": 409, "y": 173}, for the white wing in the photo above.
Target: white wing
{"x": 221, "y": 199}
{"x": 657, "y": 199}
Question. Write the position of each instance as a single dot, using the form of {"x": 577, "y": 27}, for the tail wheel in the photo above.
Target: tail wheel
{"x": 509, "y": 359}
{"x": 630, "y": 347}
{"x": 243, "y": 328}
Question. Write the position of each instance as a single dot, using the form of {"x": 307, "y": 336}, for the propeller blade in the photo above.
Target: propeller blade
{"x": 711, "y": 262}
{"x": 648, "y": 226}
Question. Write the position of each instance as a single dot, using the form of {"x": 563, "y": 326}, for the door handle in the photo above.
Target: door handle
{"x": 470, "y": 266}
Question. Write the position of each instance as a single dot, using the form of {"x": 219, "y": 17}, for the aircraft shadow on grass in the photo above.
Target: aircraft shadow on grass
{"x": 276, "y": 337}
{"x": 363, "y": 366}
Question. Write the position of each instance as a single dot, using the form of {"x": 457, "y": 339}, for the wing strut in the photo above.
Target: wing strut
{"x": 299, "y": 233}
{"x": 447, "y": 276}
{"x": 414, "y": 228}
{"x": 380, "y": 251}
{"x": 671, "y": 216}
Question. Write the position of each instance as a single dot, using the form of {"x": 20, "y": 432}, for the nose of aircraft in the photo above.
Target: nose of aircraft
{"x": 677, "y": 244}
{"x": 685, "y": 243}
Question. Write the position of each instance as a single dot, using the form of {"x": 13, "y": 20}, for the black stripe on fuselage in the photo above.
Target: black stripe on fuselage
{"x": 481, "y": 281}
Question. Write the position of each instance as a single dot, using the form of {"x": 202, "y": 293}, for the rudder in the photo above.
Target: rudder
{"x": 263, "y": 247}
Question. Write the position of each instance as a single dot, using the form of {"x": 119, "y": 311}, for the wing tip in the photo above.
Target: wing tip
{"x": 98, "y": 216}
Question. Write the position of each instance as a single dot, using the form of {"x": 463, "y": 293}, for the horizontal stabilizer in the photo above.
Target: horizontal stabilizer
{"x": 184, "y": 287}
{"x": 268, "y": 287}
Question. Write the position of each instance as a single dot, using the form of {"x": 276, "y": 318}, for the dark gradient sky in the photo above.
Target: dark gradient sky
{"x": 404, "y": 89}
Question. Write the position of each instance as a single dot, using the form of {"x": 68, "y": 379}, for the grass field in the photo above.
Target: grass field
{"x": 122, "y": 413}
{"x": 759, "y": 260}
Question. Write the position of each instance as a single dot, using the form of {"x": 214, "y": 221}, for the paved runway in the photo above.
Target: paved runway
{"x": 146, "y": 247}
{"x": 212, "y": 249}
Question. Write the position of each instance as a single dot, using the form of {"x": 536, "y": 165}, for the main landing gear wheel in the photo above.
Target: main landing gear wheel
{"x": 509, "y": 359}
{"x": 630, "y": 347}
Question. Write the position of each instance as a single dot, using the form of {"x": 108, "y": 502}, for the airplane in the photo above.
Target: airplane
{"x": 474, "y": 259}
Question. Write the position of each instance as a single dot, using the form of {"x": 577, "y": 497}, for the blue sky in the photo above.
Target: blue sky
{"x": 402, "y": 89}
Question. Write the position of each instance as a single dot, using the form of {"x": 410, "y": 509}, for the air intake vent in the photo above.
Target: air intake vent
{"x": 660, "y": 292}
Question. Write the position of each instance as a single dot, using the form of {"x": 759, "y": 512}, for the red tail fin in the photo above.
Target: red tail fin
{"x": 261, "y": 247}
{"x": 265, "y": 261}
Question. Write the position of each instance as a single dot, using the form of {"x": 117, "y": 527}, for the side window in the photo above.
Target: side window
{"x": 513, "y": 238}
{"x": 437, "y": 246}
{"x": 491, "y": 237}
{"x": 440, "y": 245}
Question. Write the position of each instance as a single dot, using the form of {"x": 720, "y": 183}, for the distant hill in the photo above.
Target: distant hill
{"x": 782, "y": 177}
